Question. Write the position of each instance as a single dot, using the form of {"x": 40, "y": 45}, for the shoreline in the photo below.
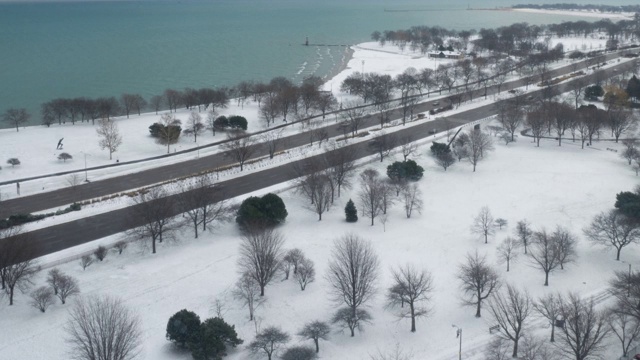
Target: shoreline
{"x": 347, "y": 56}
{"x": 577, "y": 13}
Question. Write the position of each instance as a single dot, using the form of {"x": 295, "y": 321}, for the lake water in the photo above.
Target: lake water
{"x": 50, "y": 50}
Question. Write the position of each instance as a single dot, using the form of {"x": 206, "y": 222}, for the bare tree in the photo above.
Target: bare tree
{"x": 16, "y": 117}
{"x": 412, "y": 197}
{"x": 507, "y": 251}
{"x": 154, "y": 209}
{"x": 86, "y": 261}
{"x": 240, "y": 147}
{"x": 109, "y": 134}
{"x": 261, "y": 254}
{"x": 548, "y": 307}
{"x": 411, "y": 287}
{"x": 353, "y": 272}
{"x": 269, "y": 341}
{"x": 169, "y": 130}
{"x": 315, "y": 331}
{"x": 534, "y": 348}
{"x": 342, "y": 165}
{"x": 383, "y": 144}
{"x": 585, "y": 329}
{"x": 17, "y": 264}
{"x": 292, "y": 259}
{"x": 354, "y": 116}
{"x": 194, "y": 126}
{"x": 566, "y": 244}
{"x": 102, "y": 328}
{"x": 524, "y": 233}
{"x": 479, "y": 281}
{"x": 625, "y": 327}
{"x": 132, "y": 102}
{"x": 612, "y": 229}
{"x": 156, "y": 103}
{"x": 510, "y": 309}
{"x": 305, "y": 273}
{"x": 67, "y": 286}
{"x": 53, "y": 279}
{"x": 395, "y": 354}
{"x": 273, "y": 140}
{"x": 409, "y": 147}
{"x": 202, "y": 202}
{"x": 480, "y": 143}
{"x": 483, "y": 224}
{"x": 247, "y": 290}
{"x": 536, "y": 121}
{"x": 42, "y": 298}
{"x": 545, "y": 253}
{"x": 371, "y": 193}
{"x": 321, "y": 194}
{"x": 497, "y": 349}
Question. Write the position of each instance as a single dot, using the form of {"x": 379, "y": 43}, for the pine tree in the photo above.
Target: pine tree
{"x": 351, "y": 212}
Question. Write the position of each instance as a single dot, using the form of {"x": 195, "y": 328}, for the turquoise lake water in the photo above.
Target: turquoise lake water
{"x": 93, "y": 49}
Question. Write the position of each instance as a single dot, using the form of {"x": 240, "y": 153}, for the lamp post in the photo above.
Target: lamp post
{"x": 459, "y": 335}
{"x": 86, "y": 178}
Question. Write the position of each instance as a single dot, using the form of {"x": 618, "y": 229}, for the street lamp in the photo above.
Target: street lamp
{"x": 86, "y": 178}
{"x": 458, "y": 335}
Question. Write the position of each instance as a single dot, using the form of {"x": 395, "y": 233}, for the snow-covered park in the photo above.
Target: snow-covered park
{"x": 547, "y": 185}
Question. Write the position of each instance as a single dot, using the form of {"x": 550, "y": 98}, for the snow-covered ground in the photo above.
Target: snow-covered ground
{"x": 549, "y": 186}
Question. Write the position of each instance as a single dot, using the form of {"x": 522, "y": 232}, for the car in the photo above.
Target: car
{"x": 637, "y": 357}
{"x": 433, "y": 131}
{"x": 436, "y": 103}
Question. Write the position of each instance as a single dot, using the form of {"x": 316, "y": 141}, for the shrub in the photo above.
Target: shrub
{"x": 86, "y": 261}
{"x": 13, "y": 162}
{"x": 268, "y": 210}
{"x": 120, "y": 246}
{"x": 221, "y": 122}
{"x": 100, "y": 253}
{"x": 213, "y": 337}
{"x": 407, "y": 170}
{"x": 157, "y": 130}
{"x": 183, "y": 327}
{"x": 299, "y": 353}
{"x": 351, "y": 212}
{"x": 237, "y": 122}
{"x": 65, "y": 156}
{"x": 41, "y": 298}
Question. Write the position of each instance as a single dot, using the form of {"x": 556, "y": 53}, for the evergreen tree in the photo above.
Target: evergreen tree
{"x": 212, "y": 339}
{"x": 351, "y": 212}
{"x": 182, "y": 327}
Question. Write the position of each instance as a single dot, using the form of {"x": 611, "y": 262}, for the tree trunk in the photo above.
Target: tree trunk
{"x": 317, "y": 347}
{"x": 546, "y": 278}
{"x": 11, "y": 288}
{"x": 478, "y": 307}
{"x": 515, "y": 349}
{"x": 413, "y": 317}
{"x": 153, "y": 245}
{"x": 261, "y": 290}
{"x": 553, "y": 331}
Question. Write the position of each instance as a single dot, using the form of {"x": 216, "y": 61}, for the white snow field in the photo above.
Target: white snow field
{"x": 548, "y": 186}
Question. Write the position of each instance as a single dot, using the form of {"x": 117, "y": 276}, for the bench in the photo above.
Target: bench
{"x": 494, "y": 329}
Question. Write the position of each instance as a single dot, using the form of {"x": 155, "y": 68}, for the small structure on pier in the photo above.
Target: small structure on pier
{"x": 306, "y": 41}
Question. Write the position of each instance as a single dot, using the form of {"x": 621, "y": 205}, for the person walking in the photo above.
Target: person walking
{"x": 18, "y": 187}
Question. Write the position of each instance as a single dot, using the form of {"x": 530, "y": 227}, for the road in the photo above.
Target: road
{"x": 62, "y": 236}
{"x": 63, "y": 197}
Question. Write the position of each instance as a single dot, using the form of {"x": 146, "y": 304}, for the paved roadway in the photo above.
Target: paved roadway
{"x": 62, "y": 236}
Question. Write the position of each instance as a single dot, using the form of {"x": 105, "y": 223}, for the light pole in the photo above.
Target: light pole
{"x": 459, "y": 335}
{"x": 86, "y": 178}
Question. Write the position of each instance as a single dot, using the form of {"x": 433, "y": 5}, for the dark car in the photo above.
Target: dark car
{"x": 637, "y": 357}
